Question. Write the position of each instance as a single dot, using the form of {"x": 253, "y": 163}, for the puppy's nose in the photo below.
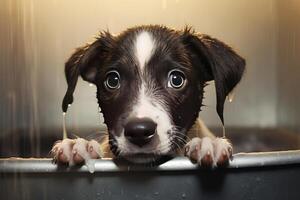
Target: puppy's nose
{"x": 140, "y": 131}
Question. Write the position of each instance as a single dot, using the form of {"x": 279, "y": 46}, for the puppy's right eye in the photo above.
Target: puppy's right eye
{"x": 176, "y": 79}
{"x": 112, "y": 80}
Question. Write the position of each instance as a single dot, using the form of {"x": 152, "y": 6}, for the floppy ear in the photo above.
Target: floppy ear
{"x": 218, "y": 62}
{"x": 85, "y": 62}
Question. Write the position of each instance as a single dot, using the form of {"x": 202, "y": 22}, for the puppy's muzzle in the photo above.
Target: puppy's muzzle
{"x": 140, "y": 131}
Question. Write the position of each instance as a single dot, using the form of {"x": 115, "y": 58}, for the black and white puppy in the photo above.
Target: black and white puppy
{"x": 150, "y": 83}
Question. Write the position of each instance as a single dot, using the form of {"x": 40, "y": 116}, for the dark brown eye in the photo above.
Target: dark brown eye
{"x": 112, "y": 81}
{"x": 176, "y": 79}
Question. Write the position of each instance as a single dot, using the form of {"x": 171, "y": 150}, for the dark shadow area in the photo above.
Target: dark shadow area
{"x": 246, "y": 183}
{"x": 20, "y": 144}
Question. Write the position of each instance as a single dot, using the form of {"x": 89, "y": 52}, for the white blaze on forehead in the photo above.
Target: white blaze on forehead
{"x": 144, "y": 46}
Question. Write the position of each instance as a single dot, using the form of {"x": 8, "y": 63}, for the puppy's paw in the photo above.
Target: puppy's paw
{"x": 209, "y": 152}
{"x": 75, "y": 151}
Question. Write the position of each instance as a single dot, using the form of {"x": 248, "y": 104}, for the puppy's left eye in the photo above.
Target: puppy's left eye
{"x": 176, "y": 79}
{"x": 112, "y": 80}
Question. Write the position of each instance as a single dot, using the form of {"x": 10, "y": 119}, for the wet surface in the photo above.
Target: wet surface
{"x": 256, "y": 183}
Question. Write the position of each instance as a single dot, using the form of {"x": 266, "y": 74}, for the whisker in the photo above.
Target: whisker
{"x": 178, "y": 146}
{"x": 178, "y": 143}
{"x": 180, "y": 139}
{"x": 180, "y": 133}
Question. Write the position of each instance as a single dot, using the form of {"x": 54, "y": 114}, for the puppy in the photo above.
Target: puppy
{"x": 150, "y": 83}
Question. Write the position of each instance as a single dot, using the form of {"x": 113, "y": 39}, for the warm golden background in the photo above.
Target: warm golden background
{"x": 37, "y": 36}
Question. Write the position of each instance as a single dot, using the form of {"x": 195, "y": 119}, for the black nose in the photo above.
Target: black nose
{"x": 140, "y": 131}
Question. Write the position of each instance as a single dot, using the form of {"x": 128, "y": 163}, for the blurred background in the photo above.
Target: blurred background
{"x": 37, "y": 36}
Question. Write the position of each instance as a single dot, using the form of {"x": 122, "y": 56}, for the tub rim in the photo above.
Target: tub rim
{"x": 240, "y": 160}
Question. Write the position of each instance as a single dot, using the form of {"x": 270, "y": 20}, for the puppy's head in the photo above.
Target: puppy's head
{"x": 150, "y": 82}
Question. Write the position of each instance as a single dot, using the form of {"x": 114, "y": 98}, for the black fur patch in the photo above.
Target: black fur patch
{"x": 200, "y": 57}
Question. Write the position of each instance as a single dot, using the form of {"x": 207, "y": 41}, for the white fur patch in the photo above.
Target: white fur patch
{"x": 144, "y": 46}
{"x": 149, "y": 107}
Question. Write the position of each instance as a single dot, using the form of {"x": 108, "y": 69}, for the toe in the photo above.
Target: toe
{"x": 223, "y": 151}
{"x": 223, "y": 159}
{"x": 206, "y": 156}
{"x": 62, "y": 157}
{"x": 94, "y": 149}
{"x": 194, "y": 155}
{"x": 80, "y": 153}
{"x": 62, "y": 151}
{"x": 77, "y": 157}
{"x": 207, "y": 160}
{"x": 192, "y": 149}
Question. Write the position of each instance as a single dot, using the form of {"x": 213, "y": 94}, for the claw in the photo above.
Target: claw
{"x": 77, "y": 158}
{"x": 186, "y": 150}
{"x": 223, "y": 158}
{"x": 207, "y": 160}
{"x": 230, "y": 151}
{"x": 60, "y": 151}
{"x": 194, "y": 156}
{"x": 90, "y": 149}
{"x": 62, "y": 158}
{"x": 95, "y": 150}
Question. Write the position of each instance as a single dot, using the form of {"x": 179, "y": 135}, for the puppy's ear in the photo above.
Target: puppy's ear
{"x": 85, "y": 62}
{"x": 217, "y": 62}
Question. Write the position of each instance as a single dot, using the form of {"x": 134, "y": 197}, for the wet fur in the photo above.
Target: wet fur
{"x": 199, "y": 129}
{"x": 201, "y": 57}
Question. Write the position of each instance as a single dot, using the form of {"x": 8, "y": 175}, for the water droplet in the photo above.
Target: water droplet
{"x": 90, "y": 165}
{"x": 183, "y": 195}
{"x": 224, "y": 132}
{"x": 156, "y": 193}
{"x": 230, "y": 96}
{"x": 65, "y": 135}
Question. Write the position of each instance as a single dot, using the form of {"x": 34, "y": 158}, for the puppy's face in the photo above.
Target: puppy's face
{"x": 149, "y": 93}
{"x": 150, "y": 83}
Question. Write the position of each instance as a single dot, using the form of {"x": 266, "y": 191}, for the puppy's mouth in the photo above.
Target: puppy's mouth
{"x": 138, "y": 155}
{"x": 144, "y": 155}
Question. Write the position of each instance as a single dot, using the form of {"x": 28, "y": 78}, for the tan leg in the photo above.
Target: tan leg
{"x": 106, "y": 148}
{"x": 199, "y": 129}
